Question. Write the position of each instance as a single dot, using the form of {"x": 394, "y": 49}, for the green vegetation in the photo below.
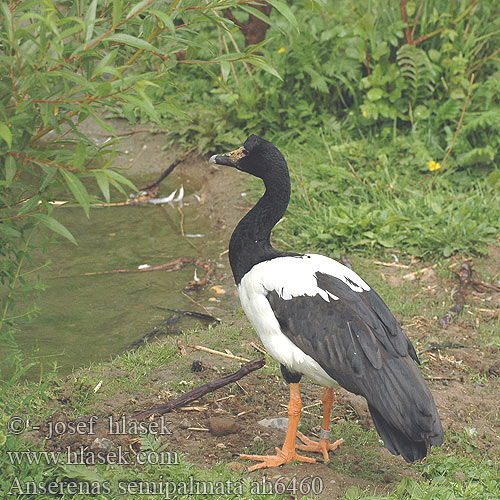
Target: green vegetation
{"x": 388, "y": 116}
{"x": 391, "y": 135}
{"x": 62, "y": 63}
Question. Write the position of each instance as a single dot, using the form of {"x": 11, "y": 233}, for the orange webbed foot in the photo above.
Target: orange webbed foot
{"x": 322, "y": 446}
{"x": 281, "y": 457}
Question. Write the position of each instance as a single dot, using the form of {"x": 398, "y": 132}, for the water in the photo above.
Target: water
{"x": 85, "y": 319}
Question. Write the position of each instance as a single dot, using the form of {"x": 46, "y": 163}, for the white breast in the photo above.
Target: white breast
{"x": 290, "y": 277}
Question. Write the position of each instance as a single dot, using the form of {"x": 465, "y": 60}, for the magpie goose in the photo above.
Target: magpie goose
{"x": 318, "y": 318}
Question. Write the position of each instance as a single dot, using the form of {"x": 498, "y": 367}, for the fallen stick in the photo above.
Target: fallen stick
{"x": 174, "y": 265}
{"x": 482, "y": 286}
{"x": 258, "y": 348}
{"x": 465, "y": 277}
{"x": 391, "y": 264}
{"x": 218, "y": 353}
{"x": 152, "y": 131}
{"x": 194, "y": 314}
{"x": 165, "y": 328}
{"x": 442, "y": 378}
{"x": 197, "y": 393}
{"x": 197, "y": 303}
{"x": 414, "y": 273}
{"x": 345, "y": 261}
{"x": 435, "y": 346}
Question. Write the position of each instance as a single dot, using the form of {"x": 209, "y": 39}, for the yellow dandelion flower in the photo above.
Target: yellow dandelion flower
{"x": 281, "y": 50}
{"x": 434, "y": 165}
{"x": 365, "y": 114}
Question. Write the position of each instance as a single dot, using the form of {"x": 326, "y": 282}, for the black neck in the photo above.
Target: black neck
{"x": 250, "y": 241}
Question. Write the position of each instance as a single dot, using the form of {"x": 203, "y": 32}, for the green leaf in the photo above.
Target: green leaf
{"x": 6, "y": 134}
{"x": 434, "y": 55}
{"x": 120, "y": 178}
{"x": 421, "y": 112}
{"x": 260, "y": 63}
{"x": 143, "y": 103}
{"x": 132, "y": 41}
{"x": 81, "y": 472}
{"x": 79, "y": 156}
{"x": 374, "y": 94}
{"x": 165, "y": 19}
{"x": 55, "y": 226}
{"x": 78, "y": 189}
{"x": 285, "y": 11}
{"x": 103, "y": 183}
{"x": 7, "y": 21}
{"x": 10, "y": 169}
{"x": 257, "y": 13}
{"x": 51, "y": 172}
{"x": 90, "y": 21}
{"x": 137, "y": 7}
{"x": 8, "y": 230}
{"x": 117, "y": 11}
{"x": 225, "y": 68}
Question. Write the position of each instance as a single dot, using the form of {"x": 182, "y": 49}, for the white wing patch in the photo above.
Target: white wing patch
{"x": 293, "y": 277}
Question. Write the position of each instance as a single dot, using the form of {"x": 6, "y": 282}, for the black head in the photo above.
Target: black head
{"x": 257, "y": 157}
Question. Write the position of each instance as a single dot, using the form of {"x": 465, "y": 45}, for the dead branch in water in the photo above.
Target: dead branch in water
{"x": 165, "y": 328}
{"x": 166, "y": 172}
{"x": 174, "y": 265}
{"x": 194, "y": 314}
{"x": 197, "y": 393}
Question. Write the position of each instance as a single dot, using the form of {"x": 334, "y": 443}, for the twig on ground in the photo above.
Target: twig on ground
{"x": 435, "y": 346}
{"x": 258, "y": 348}
{"x": 358, "y": 178}
{"x": 465, "y": 277}
{"x": 242, "y": 389}
{"x": 218, "y": 353}
{"x": 391, "y": 264}
{"x": 442, "y": 378}
{"x": 179, "y": 209}
{"x": 414, "y": 273}
{"x": 345, "y": 261}
{"x": 197, "y": 393}
{"x": 485, "y": 286}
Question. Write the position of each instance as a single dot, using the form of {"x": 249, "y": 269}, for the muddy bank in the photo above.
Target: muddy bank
{"x": 144, "y": 156}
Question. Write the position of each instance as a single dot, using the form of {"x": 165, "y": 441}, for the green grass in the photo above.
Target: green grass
{"x": 370, "y": 194}
{"x": 455, "y": 471}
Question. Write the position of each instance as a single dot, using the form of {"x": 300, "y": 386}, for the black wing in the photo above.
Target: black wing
{"x": 359, "y": 343}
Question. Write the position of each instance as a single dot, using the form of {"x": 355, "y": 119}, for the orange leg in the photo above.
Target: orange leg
{"x": 323, "y": 445}
{"x": 287, "y": 453}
